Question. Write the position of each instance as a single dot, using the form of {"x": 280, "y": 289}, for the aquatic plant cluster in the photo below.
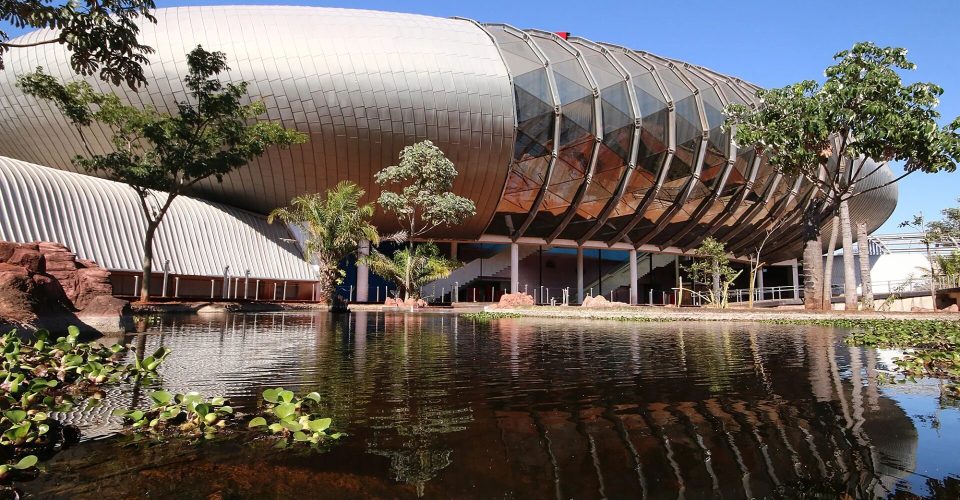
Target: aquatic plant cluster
{"x": 41, "y": 376}
{"x": 931, "y": 347}
{"x": 47, "y": 375}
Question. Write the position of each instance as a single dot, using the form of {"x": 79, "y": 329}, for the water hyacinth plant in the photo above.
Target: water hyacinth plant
{"x": 24, "y": 465}
{"x": 294, "y": 419}
{"x": 189, "y": 414}
{"x": 52, "y": 375}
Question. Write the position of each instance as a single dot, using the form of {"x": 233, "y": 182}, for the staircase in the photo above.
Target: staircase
{"x": 471, "y": 270}
{"x": 620, "y": 276}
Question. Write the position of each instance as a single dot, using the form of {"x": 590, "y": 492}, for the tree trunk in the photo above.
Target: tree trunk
{"x": 716, "y": 283}
{"x": 327, "y": 281}
{"x": 849, "y": 269}
{"x": 753, "y": 276}
{"x": 863, "y": 248}
{"x": 828, "y": 266}
{"x": 406, "y": 273}
{"x": 812, "y": 260}
{"x": 147, "y": 265}
{"x": 933, "y": 278}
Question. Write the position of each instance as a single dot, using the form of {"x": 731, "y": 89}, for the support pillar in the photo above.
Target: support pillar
{"x": 580, "y": 295}
{"x": 796, "y": 279}
{"x": 363, "y": 273}
{"x": 454, "y": 251}
{"x": 633, "y": 277}
{"x": 760, "y": 284}
{"x": 514, "y": 268}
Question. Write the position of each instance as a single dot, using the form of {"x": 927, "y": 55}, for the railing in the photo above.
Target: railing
{"x": 765, "y": 293}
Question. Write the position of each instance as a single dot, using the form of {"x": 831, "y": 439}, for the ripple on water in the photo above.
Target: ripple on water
{"x": 447, "y": 407}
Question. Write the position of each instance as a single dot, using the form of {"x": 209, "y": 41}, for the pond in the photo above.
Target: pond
{"x": 442, "y": 406}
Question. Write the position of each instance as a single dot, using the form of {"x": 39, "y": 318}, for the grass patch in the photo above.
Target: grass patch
{"x": 487, "y": 316}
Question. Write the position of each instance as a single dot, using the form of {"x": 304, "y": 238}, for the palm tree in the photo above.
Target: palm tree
{"x": 410, "y": 269}
{"x": 334, "y": 224}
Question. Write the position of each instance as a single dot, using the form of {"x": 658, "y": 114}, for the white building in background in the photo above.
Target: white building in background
{"x": 898, "y": 264}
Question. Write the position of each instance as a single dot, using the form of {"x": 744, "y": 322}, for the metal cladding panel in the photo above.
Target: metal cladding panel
{"x": 102, "y": 221}
{"x": 501, "y": 102}
{"x": 362, "y": 84}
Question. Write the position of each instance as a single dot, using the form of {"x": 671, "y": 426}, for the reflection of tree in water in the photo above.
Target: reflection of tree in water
{"x": 418, "y": 406}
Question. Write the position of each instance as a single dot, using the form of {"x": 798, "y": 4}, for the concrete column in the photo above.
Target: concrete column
{"x": 760, "y": 284}
{"x": 514, "y": 268}
{"x": 453, "y": 250}
{"x": 796, "y": 279}
{"x": 633, "y": 277}
{"x": 363, "y": 274}
{"x": 580, "y": 295}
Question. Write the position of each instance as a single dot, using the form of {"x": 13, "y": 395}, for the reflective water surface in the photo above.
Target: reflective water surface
{"x": 445, "y": 407}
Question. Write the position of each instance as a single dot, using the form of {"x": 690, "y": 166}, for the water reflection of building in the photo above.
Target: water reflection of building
{"x": 750, "y": 424}
{"x": 577, "y": 409}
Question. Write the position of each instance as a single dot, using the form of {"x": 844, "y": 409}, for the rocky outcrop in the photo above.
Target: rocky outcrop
{"x": 44, "y": 285}
{"x": 515, "y": 300}
{"x": 82, "y": 280}
{"x": 600, "y": 302}
{"x": 410, "y": 302}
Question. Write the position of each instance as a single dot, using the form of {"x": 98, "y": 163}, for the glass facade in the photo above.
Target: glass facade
{"x": 623, "y": 146}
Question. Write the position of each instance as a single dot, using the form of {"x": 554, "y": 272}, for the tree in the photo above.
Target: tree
{"x": 411, "y": 268}
{"x": 756, "y": 257}
{"x": 334, "y": 225}
{"x": 712, "y": 266}
{"x": 100, "y": 35}
{"x": 425, "y": 201}
{"x": 162, "y": 156}
{"x": 862, "y": 111}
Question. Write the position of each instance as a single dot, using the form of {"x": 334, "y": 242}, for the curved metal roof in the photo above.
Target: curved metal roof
{"x": 557, "y": 140}
{"x": 100, "y": 220}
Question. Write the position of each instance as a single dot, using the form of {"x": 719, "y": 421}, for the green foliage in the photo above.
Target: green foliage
{"x": 24, "y": 464}
{"x": 334, "y": 224}
{"x": 45, "y": 375}
{"x": 212, "y": 134}
{"x": 863, "y": 110}
{"x": 712, "y": 266}
{"x": 294, "y": 419}
{"x": 190, "y": 415}
{"x": 425, "y": 201}
{"x": 486, "y": 316}
{"x": 411, "y": 269}
{"x": 100, "y": 35}
{"x": 949, "y": 265}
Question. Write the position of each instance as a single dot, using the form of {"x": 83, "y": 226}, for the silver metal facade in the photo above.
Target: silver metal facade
{"x": 563, "y": 141}
{"x": 100, "y": 220}
{"x": 362, "y": 84}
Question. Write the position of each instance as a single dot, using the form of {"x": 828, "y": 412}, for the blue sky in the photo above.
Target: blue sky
{"x": 771, "y": 43}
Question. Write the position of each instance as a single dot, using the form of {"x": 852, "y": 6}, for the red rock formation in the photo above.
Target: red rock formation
{"x": 44, "y": 284}
{"x": 515, "y": 299}
{"x": 82, "y": 280}
{"x": 600, "y": 302}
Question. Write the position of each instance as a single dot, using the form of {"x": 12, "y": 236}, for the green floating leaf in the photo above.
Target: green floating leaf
{"x": 257, "y": 422}
{"x": 313, "y": 396}
{"x": 320, "y": 425}
{"x": 26, "y": 462}
{"x": 284, "y": 410}
{"x": 15, "y": 416}
{"x": 161, "y": 398}
{"x": 270, "y": 395}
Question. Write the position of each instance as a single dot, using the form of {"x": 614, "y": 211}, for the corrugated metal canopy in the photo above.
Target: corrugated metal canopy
{"x": 101, "y": 220}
